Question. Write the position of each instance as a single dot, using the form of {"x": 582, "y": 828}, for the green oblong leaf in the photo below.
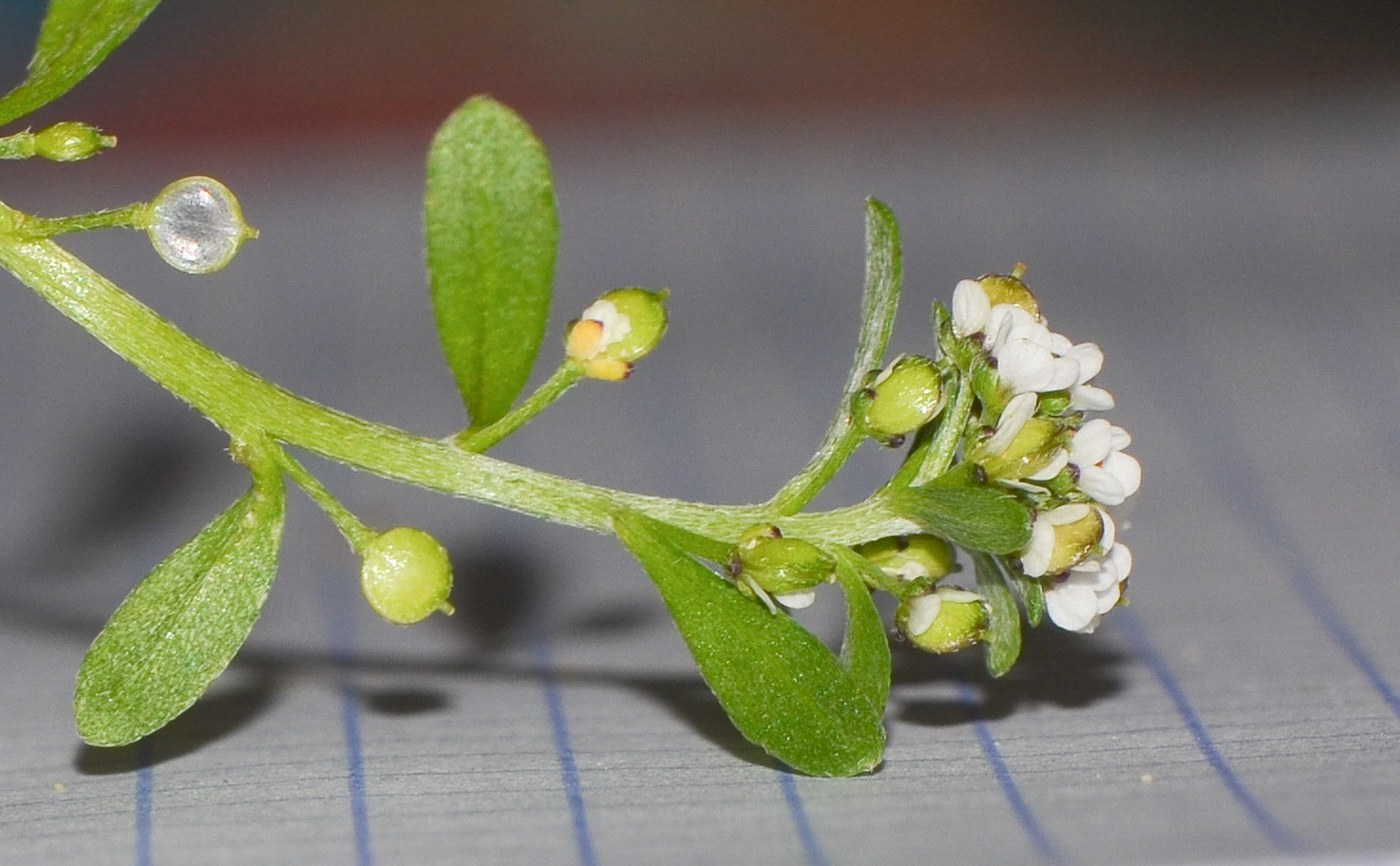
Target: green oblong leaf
{"x": 183, "y": 624}
{"x": 785, "y": 691}
{"x": 865, "y": 651}
{"x": 76, "y": 36}
{"x": 492, "y": 237}
{"x": 1003, "y": 636}
{"x": 974, "y": 518}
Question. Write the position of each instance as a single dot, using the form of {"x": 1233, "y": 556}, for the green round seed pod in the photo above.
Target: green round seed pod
{"x": 900, "y": 399}
{"x": 405, "y": 575}
{"x": 70, "y": 141}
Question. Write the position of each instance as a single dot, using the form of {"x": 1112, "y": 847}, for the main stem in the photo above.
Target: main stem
{"x": 244, "y": 404}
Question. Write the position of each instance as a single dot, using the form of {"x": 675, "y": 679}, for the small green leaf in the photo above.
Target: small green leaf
{"x": 974, "y": 518}
{"x": 1032, "y": 595}
{"x": 1003, "y": 636}
{"x": 492, "y": 235}
{"x": 866, "y": 650}
{"x": 76, "y": 36}
{"x": 183, "y": 624}
{"x": 782, "y": 688}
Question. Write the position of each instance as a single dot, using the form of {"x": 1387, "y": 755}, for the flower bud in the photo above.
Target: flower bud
{"x": 899, "y": 399}
{"x": 786, "y": 568}
{"x": 1035, "y": 449}
{"x": 196, "y": 225}
{"x": 1008, "y": 289}
{"x": 1062, "y": 538}
{"x": 615, "y": 330}
{"x": 70, "y": 141}
{"x": 911, "y": 557}
{"x": 944, "y": 621}
{"x": 405, "y": 575}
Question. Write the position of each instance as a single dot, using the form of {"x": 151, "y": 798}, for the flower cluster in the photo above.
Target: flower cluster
{"x": 1073, "y": 469}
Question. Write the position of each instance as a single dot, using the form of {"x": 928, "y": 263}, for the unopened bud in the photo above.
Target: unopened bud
{"x": 406, "y": 575}
{"x": 911, "y": 557}
{"x": 899, "y": 399}
{"x": 1062, "y": 538}
{"x": 1008, "y": 289}
{"x": 786, "y": 568}
{"x": 615, "y": 330}
{"x": 70, "y": 141}
{"x": 944, "y": 621}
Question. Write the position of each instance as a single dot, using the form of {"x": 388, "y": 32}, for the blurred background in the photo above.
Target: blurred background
{"x": 1206, "y": 189}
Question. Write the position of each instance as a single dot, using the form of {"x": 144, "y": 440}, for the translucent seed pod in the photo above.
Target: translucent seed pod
{"x": 406, "y": 575}
{"x": 196, "y": 225}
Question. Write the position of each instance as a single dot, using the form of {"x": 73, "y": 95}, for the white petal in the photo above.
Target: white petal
{"x": 1122, "y": 559}
{"x": 1110, "y": 531}
{"x": 1058, "y": 343}
{"x": 1091, "y": 443}
{"x": 1066, "y": 514}
{"x": 1024, "y": 366}
{"x": 1036, "y": 557}
{"x": 971, "y": 307}
{"x": 1017, "y": 412}
{"x": 923, "y": 610}
{"x": 1057, "y": 463}
{"x": 1090, "y": 358}
{"x": 1121, "y": 438}
{"x": 1072, "y": 607}
{"x": 1108, "y": 598}
{"x": 616, "y": 325}
{"x": 1102, "y": 485}
{"x": 1090, "y": 398}
{"x": 796, "y": 600}
{"x": 1126, "y": 469}
{"x": 1066, "y": 375}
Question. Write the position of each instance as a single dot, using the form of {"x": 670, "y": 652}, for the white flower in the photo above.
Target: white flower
{"x": 1013, "y": 419}
{"x": 1105, "y": 472}
{"x": 1078, "y": 601}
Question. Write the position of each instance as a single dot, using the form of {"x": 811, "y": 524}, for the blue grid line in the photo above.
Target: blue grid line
{"x": 1043, "y": 846}
{"x": 1276, "y": 833}
{"x": 341, "y": 626}
{"x": 563, "y": 745}
{"x": 810, "y": 846}
{"x": 145, "y": 788}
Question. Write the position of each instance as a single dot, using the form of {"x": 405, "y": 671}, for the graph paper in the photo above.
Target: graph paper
{"x": 1236, "y": 263}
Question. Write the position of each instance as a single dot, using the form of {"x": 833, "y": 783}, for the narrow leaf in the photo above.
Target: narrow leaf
{"x": 974, "y": 518}
{"x": 866, "y": 650}
{"x": 782, "y": 688}
{"x": 1032, "y": 595}
{"x": 883, "y": 276}
{"x": 183, "y": 624}
{"x": 1003, "y": 635}
{"x": 76, "y": 36}
{"x": 492, "y": 235}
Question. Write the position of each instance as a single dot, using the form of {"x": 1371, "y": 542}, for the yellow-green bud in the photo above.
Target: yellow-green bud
{"x": 1035, "y": 447}
{"x": 911, "y": 557}
{"x": 899, "y": 399}
{"x": 405, "y": 575}
{"x": 1075, "y": 541}
{"x": 1008, "y": 289}
{"x": 944, "y": 621}
{"x": 196, "y": 225}
{"x": 766, "y": 564}
{"x": 615, "y": 330}
{"x": 69, "y": 141}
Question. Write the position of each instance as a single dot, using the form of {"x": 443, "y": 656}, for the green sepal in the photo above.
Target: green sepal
{"x": 782, "y": 688}
{"x": 179, "y": 629}
{"x": 1031, "y": 592}
{"x": 973, "y": 518}
{"x": 1003, "y": 635}
{"x": 492, "y": 237}
{"x": 75, "y": 37}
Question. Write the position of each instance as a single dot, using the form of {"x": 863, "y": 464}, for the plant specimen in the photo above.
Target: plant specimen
{"x": 1003, "y": 470}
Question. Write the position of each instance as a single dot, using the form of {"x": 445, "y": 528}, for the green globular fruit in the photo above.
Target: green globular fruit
{"x": 406, "y": 575}
{"x": 911, "y": 557}
{"x": 780, "y": 565}
{"x": 900, "y": 399}
{"x": 70, "y": 141}
{"x": 959, "y": 620}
